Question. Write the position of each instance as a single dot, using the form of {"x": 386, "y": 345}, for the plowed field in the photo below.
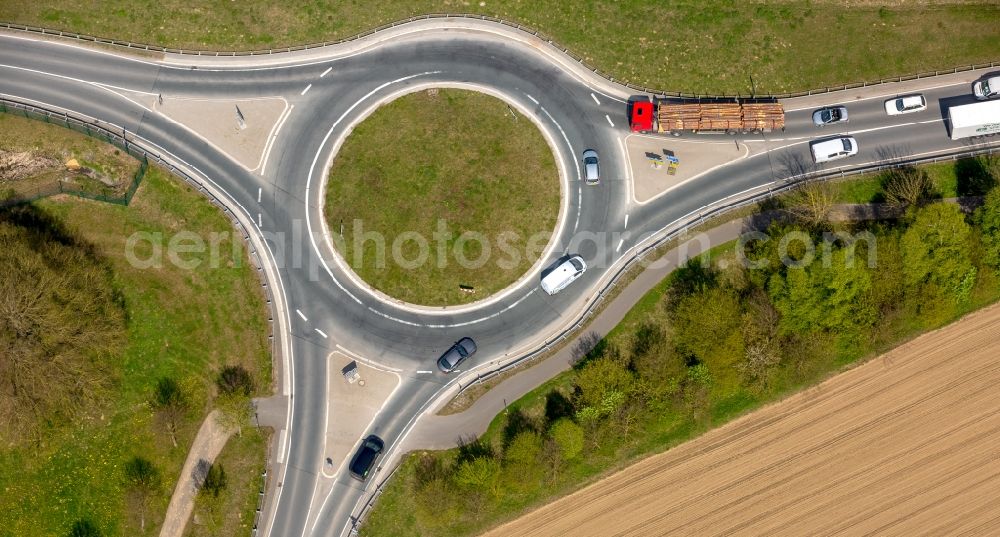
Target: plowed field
{"x": 907, "y": 444}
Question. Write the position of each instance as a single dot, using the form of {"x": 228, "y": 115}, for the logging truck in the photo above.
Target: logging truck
{"x": 675, "y": 118}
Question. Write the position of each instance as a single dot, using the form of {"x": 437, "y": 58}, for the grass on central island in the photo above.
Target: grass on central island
{"x": 440, "y": 189}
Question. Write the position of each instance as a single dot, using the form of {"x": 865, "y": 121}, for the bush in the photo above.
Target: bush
{"x": 215, "y": 480}
{"x": 84, "y": 528}
{"x": 235, "y": 379}
{"x": 569, "y": 437}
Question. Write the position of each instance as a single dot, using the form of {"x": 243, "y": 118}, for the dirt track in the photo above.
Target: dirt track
{"x": 907, "y": 444}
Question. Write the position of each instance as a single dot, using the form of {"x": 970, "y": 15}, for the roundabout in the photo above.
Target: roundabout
{"x": 442, "y": 197}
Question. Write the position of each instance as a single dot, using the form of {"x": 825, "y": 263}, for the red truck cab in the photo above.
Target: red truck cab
{"x": 640, "y": 115}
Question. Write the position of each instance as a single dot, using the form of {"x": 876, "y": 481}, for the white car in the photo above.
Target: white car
{"x": 591, "y": 167}
{"x": 563, "y": 274}
{"x": 988, "y": 88}
{"x": 905, "y": 104}
{"x": 833, "y": 149}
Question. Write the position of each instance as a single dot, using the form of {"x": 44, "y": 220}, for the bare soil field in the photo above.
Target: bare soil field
{"x": 907, "y": 444}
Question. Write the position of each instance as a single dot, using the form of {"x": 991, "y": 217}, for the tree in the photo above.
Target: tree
{"x": 524, "y": 450}
{"x": 601, "y": 376}
{"x": 935, "y": 250}
{"x": 84, "y": 528}
{"x": 569, "y": 437}
{"x": 215, "y": 480}
{"x": 479, "y": 473}
{"x": 907, "y": 186}
{"x": 235, "y": 379}
{"x": 811, "y": 203}
{"x": 143, "y": 480}
{"x": 170, "y": 405}
{"x": 834, "y": 296}
{"x": 707, "y": 329}
{"x": 988, "y": 220}
{"x": 760, "y": 340}
{"x": 235, "y": 411}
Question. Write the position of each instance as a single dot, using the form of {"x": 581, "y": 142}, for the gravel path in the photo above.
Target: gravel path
{"x": 207, "y": 444}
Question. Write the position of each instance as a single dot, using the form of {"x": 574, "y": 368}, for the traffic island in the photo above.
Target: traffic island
{"x": 442, "y": 197}
{"x": 661, "y": 163}
{"x": 357, "y": 392}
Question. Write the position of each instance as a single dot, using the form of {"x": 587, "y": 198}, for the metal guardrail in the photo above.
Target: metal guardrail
{"x": 136, "y": 146}
{"x": 511, "y": 24}
{"x": 675, "y": 230}
{"x": 695, "y": 218}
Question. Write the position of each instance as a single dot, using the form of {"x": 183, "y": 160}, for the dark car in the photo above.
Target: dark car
{"x": 366, "y": 457}
{"x": 457, "y": 354}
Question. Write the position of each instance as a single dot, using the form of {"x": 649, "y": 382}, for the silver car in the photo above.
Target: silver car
{"x": 830, "y": 115}
{"x": 592, "y": 169}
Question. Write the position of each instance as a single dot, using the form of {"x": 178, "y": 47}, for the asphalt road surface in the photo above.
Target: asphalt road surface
{"x": 326, "y": 308}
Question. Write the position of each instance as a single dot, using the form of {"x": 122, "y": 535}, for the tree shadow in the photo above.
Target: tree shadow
{"x": 974, "y": 177}
{"x": 470, "y": 448}
{"x": 517, "y": 423}
{"x": 557, "y": 406}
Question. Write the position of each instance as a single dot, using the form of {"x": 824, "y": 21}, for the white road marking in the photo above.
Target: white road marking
{"x": 320, "y": 332}
{"x": 424, "y": 372}
{"x": 259, "y": 191}
{"x": 595, "y": 99}
{"x": 532, "y": 98}
{"x": 626, "y": 221}
{"x": 259, "y": 221}
{"x": 282, "y": 438}
{"x": 301, "y": 315}
{"x": 607, "y": 117}
{"x": 328, "y": 69}
{"x": 305, "y": 90}
{"x": 620, "y": 243}
{"x": 274, "y": 136}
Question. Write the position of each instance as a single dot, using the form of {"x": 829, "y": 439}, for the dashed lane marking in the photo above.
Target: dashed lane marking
{"x": 304, "y": 318}
{"x": 305, "y": 90}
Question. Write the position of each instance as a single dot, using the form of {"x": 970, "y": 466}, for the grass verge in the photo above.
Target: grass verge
{"x": 713, "y": 46}
{"x": 687, "y": 358}
{"x": 181, "y": 323}
{"x": 440, "y": 189}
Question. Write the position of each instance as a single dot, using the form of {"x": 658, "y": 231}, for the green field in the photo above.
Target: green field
{"x": 713, "y": 46}
{"x": 178, "y": 323}
{"x": 427, "y": 169}
{"x": 712, "y": 341}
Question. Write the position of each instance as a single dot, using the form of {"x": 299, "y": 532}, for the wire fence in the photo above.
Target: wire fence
{"x": 16, "y": 196}
{"x": 508, "y": 23}
{"x": 140, "y": 149}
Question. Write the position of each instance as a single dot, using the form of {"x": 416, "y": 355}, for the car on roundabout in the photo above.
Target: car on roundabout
{"x": 563, "y": 274}
{"x": 830, "y": 115}
{"x": 458, "y": 353}
{"x": 591, "y": 167}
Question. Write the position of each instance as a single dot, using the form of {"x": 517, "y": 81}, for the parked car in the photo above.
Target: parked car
{"x": 987, "y": 88}
{"x": 591, "y": 167}
{"x": 834, "y": 148}
{"x": 458, "y": 353}
{"x": 830, "y": 115}
{"x": 366, "y": 457}
{"x": 563, "y": 274}
{"x": 905, "y": 105}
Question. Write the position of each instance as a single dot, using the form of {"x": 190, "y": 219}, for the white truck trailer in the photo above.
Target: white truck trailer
{"x": 978, "y": 119}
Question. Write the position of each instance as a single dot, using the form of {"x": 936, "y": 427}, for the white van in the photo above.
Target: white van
{"x": 563, "y": 275}
{"x": 833, "y": 149}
